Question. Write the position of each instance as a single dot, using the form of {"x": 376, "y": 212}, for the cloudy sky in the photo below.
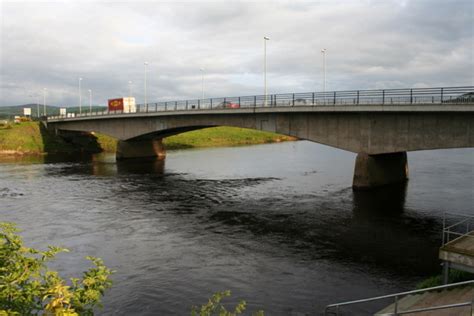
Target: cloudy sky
{"x": 370, "y": 44}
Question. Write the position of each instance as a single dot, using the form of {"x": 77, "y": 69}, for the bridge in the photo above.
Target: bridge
{"x": 380, "y": 126}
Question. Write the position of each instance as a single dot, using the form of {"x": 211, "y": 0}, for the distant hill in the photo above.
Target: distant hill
{"x": 8, "y": 112}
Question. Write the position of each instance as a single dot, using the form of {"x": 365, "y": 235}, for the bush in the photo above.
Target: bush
{"x": 215, "y": 308}
{"x": 27, "y": 287}
{"x": 455, "y": 276}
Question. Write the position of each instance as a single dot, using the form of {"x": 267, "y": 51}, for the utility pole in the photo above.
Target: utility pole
{"x": 44, "y": 101}
{"x": 265, "y": 39}
{"x": 80, "y": 97}
{"x": 146, "y": 104}
{"x": 323, "y": 52}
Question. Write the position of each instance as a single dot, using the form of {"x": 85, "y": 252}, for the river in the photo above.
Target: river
{"x": 277, "y": 224}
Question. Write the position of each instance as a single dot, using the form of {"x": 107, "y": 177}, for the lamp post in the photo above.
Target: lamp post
{"x": 44, "y": 101}
{"x": 37, "y": 107}
{"x": 323, "y": 52}
{"x": 202, "y": 82}
{"x": 80, "y": 97}
{"x": 265, "y": 39}
{"x": 90, "y": 101}
{"x": 129, "y": 90}
{"x": 37, "y": 104}
{"x": 146, "y": 104}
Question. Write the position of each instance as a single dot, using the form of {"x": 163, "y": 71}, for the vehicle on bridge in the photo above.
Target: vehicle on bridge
{"x": 228, "y": 105}
{"x": 124, "y": 105}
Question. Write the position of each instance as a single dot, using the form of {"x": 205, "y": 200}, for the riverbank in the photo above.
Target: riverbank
{"x": 31, "y": 138}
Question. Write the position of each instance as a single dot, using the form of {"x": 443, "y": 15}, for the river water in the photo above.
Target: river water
{"x": 277, "y": 224}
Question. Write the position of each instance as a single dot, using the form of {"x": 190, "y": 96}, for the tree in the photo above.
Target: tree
{"x": 28, "y": 287}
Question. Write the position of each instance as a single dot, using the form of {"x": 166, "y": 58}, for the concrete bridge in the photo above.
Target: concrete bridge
{"x": 379, "y": 125}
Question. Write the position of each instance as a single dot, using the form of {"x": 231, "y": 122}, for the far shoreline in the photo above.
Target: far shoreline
{"x": 31, "y": 139}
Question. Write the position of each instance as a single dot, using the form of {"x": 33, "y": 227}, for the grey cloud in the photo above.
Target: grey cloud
{"x": 371, "y": 44}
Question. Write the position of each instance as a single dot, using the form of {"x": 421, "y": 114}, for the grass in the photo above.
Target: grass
{"x": 107, "y": 143}
{"x": 22, "y": 138}
{"x": 208, "y": 137}
{"x": 454, "y": 277}
{"x": 31, "y": 138}
{"x": 222, "y": 136}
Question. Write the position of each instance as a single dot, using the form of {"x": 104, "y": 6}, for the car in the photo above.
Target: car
{"x": 228, "y": 105}
{"x": 300, "y": 102}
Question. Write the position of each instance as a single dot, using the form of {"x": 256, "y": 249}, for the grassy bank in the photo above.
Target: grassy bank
{"x": 32, "y": 138}
{"x": 222, "y": 136}
{"x": 29, "y": 138}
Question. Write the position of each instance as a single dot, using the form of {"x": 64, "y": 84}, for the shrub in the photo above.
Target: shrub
{"x": 28, "y": 287}
{"x": 215, "y": 308}
{"x": 455, "y": 276}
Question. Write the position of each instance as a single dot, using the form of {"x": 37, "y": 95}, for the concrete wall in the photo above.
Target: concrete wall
{"x": 371, "y": 132}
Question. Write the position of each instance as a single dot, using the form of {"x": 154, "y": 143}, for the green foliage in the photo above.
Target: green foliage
{"x": 454, "y": 277}
{"x": 28, "y": 287}
{"x": 214, "y": 307}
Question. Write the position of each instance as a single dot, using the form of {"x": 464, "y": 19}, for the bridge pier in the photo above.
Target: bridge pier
{"x": 140, "y": 149}
{"x": 378, "y": 170}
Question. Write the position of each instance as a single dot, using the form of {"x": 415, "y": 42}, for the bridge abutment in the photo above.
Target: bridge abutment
{"x": 378, "y": 170}
{"x": 140, "y": 149}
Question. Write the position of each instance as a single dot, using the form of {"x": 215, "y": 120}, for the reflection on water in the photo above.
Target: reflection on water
{"x": 287, "y": 234}
{"x": 386, "y": 200}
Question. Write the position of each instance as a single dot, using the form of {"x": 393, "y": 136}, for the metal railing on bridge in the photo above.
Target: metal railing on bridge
{"x": 445, "y": 95}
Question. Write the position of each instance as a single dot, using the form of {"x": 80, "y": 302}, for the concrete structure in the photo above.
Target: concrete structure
{"x": 457, "y": 251}
{"x": 380, "y": 134}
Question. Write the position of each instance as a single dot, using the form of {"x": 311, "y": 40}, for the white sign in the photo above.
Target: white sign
{"x": 27, "y": 111}
{"x": 62, "y": 111}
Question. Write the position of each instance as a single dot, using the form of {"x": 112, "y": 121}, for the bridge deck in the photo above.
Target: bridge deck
{"x": 371, "y": 108}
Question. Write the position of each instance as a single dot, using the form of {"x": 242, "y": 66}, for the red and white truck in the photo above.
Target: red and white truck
{"x": 125, "y": 105}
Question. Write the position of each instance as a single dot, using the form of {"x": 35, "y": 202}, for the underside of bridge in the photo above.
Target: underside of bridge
{"x": 379, "y": 138}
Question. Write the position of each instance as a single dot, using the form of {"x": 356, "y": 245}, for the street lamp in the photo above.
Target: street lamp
{"x": 90, "y": 100}
{"x": 44, "y": 101}
{"x": 323, "y": 52}
{"x": 146, "y": 104}
{"x": 80, "y": 97}
{"x": 37, "y": 104}
{"x": 129, "y": 90}
{"x": 202, "y": 82}
{"x": 265, "y": 39}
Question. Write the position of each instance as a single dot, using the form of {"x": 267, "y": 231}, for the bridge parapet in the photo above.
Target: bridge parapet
{"x": 446, "y": 97}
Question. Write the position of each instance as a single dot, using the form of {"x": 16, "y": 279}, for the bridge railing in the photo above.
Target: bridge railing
{"x": 445, "y": 95}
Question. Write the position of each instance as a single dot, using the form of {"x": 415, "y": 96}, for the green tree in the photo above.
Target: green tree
{"x": 214, "y": 307}
{"x": 28, "y": 287}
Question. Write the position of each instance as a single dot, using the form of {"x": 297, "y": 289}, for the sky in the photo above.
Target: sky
{"x": 369, "y": 45}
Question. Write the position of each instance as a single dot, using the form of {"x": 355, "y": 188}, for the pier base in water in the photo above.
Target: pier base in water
{"x": 140, "y": 149}
{"x": 379, "y": 170}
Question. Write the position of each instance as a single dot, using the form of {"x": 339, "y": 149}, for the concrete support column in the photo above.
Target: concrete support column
{"x": 140, "y": 149}
{"x": 445, "y": 272}
{"x": 379, "y": 170}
